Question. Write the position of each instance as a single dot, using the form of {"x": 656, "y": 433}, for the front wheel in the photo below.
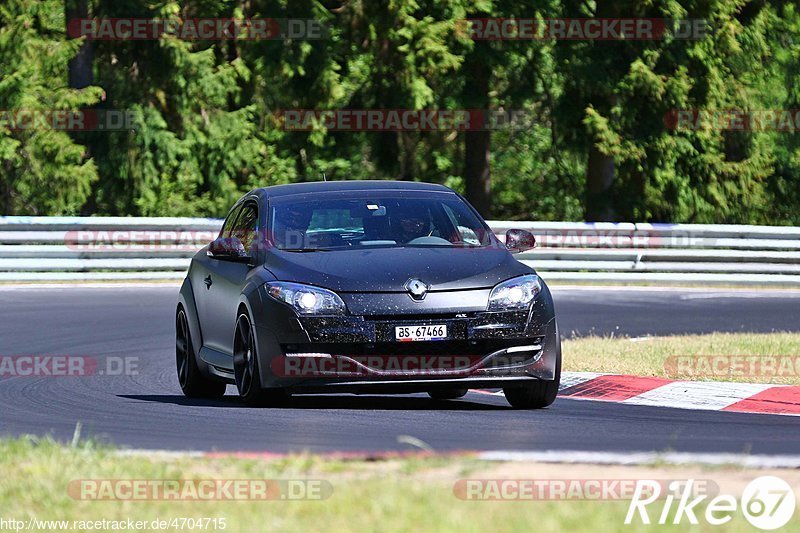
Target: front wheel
{"x": 246, "y": 368}
{"x": 538, "y": 394}
{"x": 192, "y": 382}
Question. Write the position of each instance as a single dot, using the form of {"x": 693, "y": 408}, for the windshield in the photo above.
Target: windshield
{"x": 374, "y": 219}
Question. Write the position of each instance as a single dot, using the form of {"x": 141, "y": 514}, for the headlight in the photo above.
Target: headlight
{"x": 516, "y": 293}
{"x": 306, "y": 299}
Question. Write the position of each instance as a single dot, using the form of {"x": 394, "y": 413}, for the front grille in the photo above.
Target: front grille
{"x": 380, "y": 328}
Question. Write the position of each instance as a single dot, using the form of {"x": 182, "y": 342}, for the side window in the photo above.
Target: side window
{"x": 227, "y": 226}
{"x": 246, "y": 224}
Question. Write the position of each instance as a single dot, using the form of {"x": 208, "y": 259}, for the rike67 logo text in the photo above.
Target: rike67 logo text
{"x": 767, "y": 502}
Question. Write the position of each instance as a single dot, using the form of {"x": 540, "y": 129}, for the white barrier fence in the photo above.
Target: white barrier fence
{"x": 118, "y": 248}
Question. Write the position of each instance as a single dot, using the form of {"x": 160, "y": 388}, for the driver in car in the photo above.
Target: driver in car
{"x": 412, "y": 225}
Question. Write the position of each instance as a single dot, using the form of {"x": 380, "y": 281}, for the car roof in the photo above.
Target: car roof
{"x": 350, "y": 185}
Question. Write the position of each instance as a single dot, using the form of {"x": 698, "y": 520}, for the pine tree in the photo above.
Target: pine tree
{"x": 42, "y": 170}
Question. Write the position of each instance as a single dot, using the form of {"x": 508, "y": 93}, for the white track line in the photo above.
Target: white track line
{"x": 555, "y": 288}
{"x": 644, "y": 458}
{"x": 569, "y": 457}
{"x": 160, "y": 454}
{"x": 740, "y": 295}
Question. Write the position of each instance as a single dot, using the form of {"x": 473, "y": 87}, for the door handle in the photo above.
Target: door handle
{"x": 208, "y": 281}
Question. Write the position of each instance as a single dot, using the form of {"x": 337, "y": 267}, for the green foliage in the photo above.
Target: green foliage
{"x": 42, "y": 170}
{"x": 207, "y": 128}
{"x": 700, "y": 175}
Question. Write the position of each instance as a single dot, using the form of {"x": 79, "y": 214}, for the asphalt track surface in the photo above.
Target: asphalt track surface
{"x": 147, "y": 410}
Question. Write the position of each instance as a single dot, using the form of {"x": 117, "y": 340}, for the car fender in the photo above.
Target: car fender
{"x": 251, "y": 300}
{"x": 187, "y": 301}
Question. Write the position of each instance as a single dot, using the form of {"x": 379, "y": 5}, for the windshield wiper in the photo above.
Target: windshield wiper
{"x": 304, "y": 250}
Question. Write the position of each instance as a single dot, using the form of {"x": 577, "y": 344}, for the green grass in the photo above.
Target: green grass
{"x": 658, "y": 356}
{"x": 404, "y": 494}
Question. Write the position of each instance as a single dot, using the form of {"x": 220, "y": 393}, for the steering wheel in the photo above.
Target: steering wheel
{"x": 429, "y": 239}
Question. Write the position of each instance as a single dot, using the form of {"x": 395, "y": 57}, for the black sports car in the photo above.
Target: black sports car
{"x": 364, "y": 286}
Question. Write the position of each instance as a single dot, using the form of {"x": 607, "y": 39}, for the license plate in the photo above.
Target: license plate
{"x": 434, "y": 332}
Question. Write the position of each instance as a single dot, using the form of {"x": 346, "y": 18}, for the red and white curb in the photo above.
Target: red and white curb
{"x": 662, "y": 392}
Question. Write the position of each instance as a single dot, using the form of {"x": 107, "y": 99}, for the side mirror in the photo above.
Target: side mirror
{"x": 228, "y": 249}
{"x": 519, "y": 240}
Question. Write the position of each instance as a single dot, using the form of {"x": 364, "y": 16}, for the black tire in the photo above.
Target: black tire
{"x": 193, "y": 383}
{"x": 538, "y": 394}
{"x": 447, "y": 394}
{"x": 246, "y": 368}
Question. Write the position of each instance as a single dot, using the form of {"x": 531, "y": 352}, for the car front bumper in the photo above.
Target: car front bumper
{"x": 358, "y": 353}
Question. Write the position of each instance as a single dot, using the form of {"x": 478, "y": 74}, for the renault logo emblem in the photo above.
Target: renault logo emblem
{"x": 416, "y": 288}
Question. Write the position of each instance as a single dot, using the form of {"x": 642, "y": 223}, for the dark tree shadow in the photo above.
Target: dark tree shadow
{"x": 342, "y": 401}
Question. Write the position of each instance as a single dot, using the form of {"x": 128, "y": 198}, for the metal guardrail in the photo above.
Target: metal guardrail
{"x": 119, "y": 248}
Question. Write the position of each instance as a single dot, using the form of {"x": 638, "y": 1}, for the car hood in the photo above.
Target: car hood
{"x": 388, "y": 269}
